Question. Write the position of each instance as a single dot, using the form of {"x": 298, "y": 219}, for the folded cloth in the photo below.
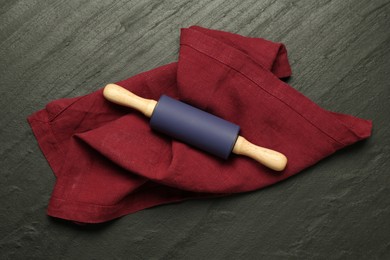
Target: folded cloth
{"x": 109, "y": 163}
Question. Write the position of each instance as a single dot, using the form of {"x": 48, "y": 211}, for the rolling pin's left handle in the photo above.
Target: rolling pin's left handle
{"x": 122, "y": 96}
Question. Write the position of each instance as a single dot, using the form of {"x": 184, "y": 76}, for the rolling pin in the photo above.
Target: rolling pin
{"x": 195, "y": 127}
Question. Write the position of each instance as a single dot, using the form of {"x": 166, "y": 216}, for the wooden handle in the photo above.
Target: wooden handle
{"x": 122, "y": 96}
{"x": 270, "y": 158}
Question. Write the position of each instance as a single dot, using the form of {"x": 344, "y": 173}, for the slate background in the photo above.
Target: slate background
{"x": 340, "y": 56}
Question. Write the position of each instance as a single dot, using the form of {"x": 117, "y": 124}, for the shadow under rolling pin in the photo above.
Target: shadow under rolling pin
{"x": 195, "y": 127}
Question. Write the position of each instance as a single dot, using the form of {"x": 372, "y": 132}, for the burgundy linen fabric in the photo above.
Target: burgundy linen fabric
{"x": 109, "y": 163}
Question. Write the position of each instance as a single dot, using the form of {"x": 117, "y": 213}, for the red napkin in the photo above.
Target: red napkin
{"x": 109, "y": 163}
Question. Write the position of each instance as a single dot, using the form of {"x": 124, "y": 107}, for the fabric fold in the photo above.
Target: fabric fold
{"x": 109, "y": 163}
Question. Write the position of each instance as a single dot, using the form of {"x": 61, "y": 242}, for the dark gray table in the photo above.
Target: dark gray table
{"x": 340, "y": 56}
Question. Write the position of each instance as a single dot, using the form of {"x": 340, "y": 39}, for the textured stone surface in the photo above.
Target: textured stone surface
{"x": 340, "y": 55}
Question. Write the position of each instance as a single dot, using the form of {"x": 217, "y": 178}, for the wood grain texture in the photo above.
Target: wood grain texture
{"x": 123, "y": 97}
{"x": 340, "y": 56}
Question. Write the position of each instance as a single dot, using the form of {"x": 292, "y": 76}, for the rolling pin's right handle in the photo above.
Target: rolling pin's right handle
{"x": 270, "y": 158}
{"x": 122, "y": 96}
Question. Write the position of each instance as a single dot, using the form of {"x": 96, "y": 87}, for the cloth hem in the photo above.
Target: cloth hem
{"x": 40, "y": 125}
